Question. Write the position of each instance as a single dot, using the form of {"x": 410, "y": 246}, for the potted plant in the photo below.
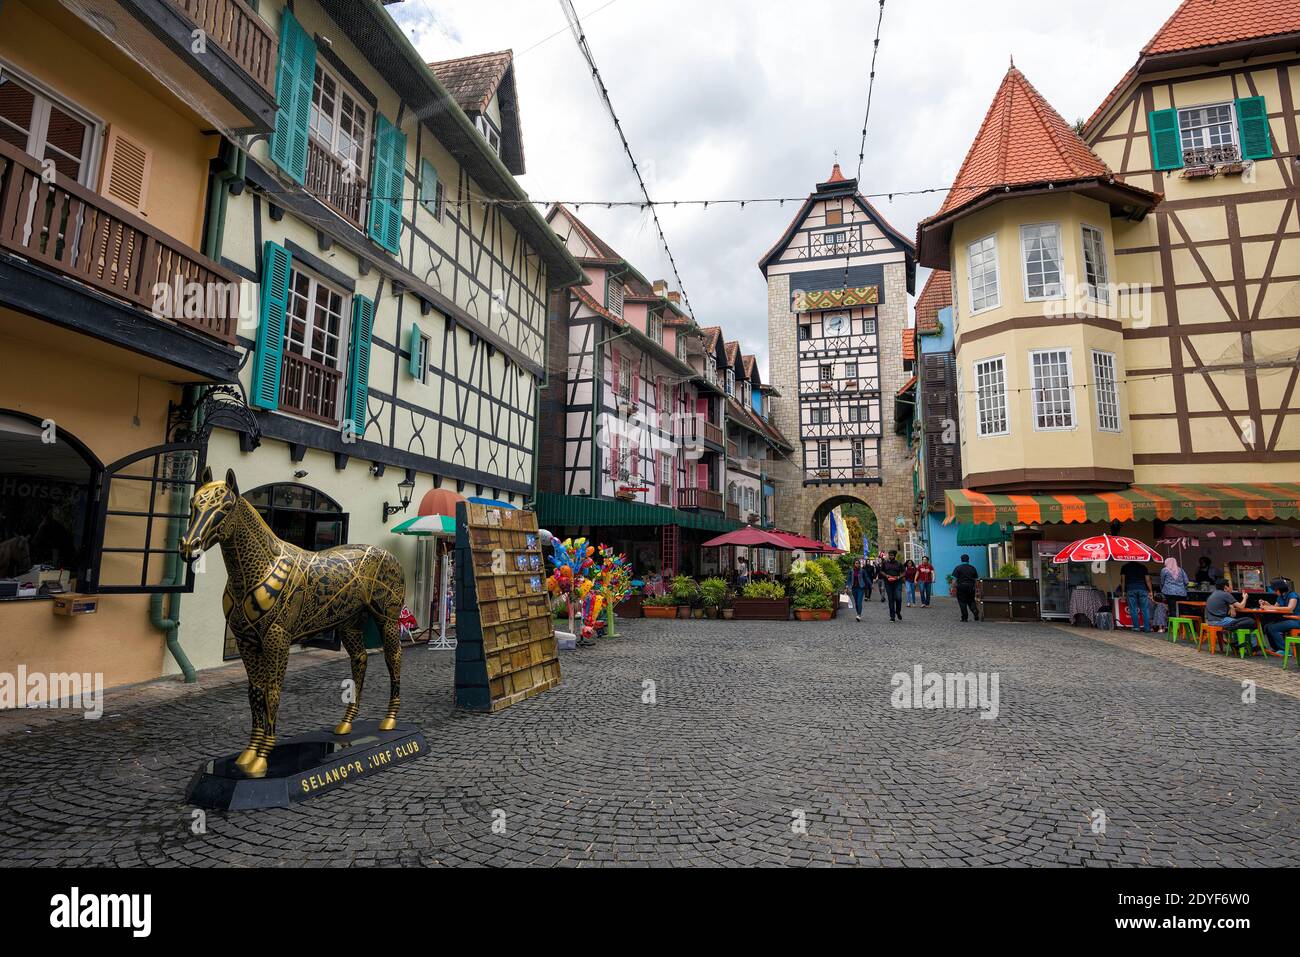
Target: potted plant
{"x": 727, "y": 610}
{"x": 813, "y": 592}
{"x": 686, "y": 593}
{"x": 713, "y": 591}
{"x": 813, "y": 606}
{"x": 833, "y": 569}
{"x": 659, "y": 606}
{"x": 762, "y": 601}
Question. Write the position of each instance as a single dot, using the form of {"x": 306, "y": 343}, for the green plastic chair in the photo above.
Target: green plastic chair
{"x": 1292, "y": 641}
{"x": 1178, "y": 624}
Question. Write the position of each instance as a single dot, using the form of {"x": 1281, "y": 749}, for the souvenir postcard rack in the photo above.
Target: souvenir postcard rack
{"x": 506, "y": 649}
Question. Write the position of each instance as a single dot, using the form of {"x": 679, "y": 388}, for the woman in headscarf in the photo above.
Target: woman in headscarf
{"x": 1173, "y": 584}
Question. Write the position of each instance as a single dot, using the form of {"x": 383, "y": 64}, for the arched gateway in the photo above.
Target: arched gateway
{"x": 837, "y": 286}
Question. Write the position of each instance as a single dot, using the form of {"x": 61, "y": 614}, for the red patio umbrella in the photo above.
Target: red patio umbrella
{"x": 1106, "y": 548}
{"x": 809, "y": 544}
{"x": 750, "y": 537}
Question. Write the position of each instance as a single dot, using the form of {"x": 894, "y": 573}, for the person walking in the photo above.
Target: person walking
{"x": 925, "y": 580}
{"x": 880, "y": 577}
{"x": 892, "y": 571}
{"x": 966, "y": 576}
{"x": 1173, "y": 584}
{"x": 869, "y": 570}
{"x": 858, "y": 584}
{"x": 909, "y": 581}
{"x": 1137, "y": 591}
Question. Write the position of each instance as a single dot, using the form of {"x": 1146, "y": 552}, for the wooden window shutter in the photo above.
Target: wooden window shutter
{"x": 416, "y": 365}
{"x": 1252, "y": 120}
{"x": 614, "y": 364}
{"x": 1166, "y": 142}
{"x": 363, "y": 320}
{"x": 125, "y": 178}
{"x": 387, "y": 176}
{"x": 277, "y": 264}
{"x": 635, "y": 455}
{"x": 295, "y": 73}
{"x": 613, "y": 457}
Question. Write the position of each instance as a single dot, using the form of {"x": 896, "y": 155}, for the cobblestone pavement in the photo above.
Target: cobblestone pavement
{"x": 757, "y": 727}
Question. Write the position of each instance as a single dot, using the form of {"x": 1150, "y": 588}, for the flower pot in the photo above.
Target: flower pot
{"x": 697, "y": 613}
{"x": 728, "y": 614}
{"x": 813, "y": 614}
{"x": 710, "y": 613}
{"x": 660, "y": 611}
{"x": 683, "y": 611}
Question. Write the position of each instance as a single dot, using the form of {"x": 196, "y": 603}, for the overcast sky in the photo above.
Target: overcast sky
{"x": 752, "y": 98}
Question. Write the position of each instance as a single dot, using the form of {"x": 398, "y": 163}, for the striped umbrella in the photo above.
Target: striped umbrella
{"x": 1106, "y": 548}
{"x": 436, "y": 525}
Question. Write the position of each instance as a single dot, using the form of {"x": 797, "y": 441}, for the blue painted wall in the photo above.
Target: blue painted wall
{"x": 945, "y": 553}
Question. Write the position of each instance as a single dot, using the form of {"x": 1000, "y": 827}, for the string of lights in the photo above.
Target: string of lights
{"x": 871, "y": 85}
{"x": 580, "y": 37}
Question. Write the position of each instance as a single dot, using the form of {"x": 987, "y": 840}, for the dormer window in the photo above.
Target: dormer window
{"x": 489, "y": 132}
{"x": 731, "y": 382}
{"x": 1208, "y": 135}
{"x": 614, "y": 296}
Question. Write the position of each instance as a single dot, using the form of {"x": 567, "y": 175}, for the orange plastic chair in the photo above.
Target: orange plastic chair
{"x": 1214, "y": 635}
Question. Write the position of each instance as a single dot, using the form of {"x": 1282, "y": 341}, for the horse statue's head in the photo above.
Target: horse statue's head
{"x": 213, "y": 504}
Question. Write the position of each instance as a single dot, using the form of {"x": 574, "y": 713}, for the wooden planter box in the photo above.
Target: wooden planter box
{"x": 660, "y": 611}
{"x": 762, "y": 609}
{"x": 630, "y": 607}
{"x": 813, "y": 614}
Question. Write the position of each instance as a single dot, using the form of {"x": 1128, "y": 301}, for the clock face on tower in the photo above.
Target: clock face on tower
{"x": 837, "y": 325}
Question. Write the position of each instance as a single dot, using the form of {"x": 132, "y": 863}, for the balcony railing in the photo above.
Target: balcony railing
{"x": 239, "y": 31}
{"x": 733, "y": 450}
{"x": 74, "y": 231}
{"x": 700, "y": 498}
{"x": 733, "y": 511}
{"x": 310, "y": 388}
{"x": 331, "y": 181}
{"x": 713, "y": 433}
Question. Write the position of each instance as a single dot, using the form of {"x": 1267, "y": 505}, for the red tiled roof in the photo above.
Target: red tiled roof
{"x": 1021, "y": 142}
{"x": 733, "y": 350}
{"x": 711, "y": 336}
{"x": 1206, "y": 23}
{"x": 1198, "y": 24}
{"x": 909, "y": 345}
{"x": 837, "y": 176}
{"x": 747, "y": 364}
{"x": 909, "y": 384}
{"x": 936, "y": 294}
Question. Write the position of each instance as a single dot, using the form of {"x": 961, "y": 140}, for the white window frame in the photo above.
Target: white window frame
{"x": 823, "y": 452}
{"x": 984, "y": 410}
{"x": 488, "y": 130}
{"x": 1231, "y": 124}
{"x": 1025, "y": 266}
{"x": 1110, "y": 397}
{"x": 859, "y": 454}
{"x": 341, "y": 86}
{"x": 731, "y": 383}
{"x": 425, "y": 343}
{"x": 1096, "y": 276}
{"x": 625, "y": 378}
{"x": 666, "y": 470}
{"x": 315, "y": 282}
{"x": 996, "y": 284}
{"x": 37, "y": 135}
{"x": 1069, "y": 390}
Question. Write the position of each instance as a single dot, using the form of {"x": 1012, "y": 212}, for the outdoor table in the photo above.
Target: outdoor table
{"x": 1086, "y": 600}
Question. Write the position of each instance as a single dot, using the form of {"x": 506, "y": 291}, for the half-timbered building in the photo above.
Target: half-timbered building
{"x": 633, "y": 461}
{"x": 403, "y": 282}
{"x": 1126, "y": 301}
{"x": 838, "y": 280}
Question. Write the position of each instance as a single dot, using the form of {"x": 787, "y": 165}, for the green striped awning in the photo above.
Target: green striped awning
{"x": 1137, "y": 503}
{"x": 981, "y": 534}
{"x": 561, "y": 511}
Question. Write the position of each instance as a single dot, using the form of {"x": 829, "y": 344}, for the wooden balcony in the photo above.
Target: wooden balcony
{"x": 237, "y": 29}
{"x": 327, "y": 179}
{"x": 733, "y": 450}
{"x": 733, "y": 511}
{"x": 73, "y": 231}
{"x": 309, "y": 388}
{"x": 699, "y": 498}
{"x": 713, "y": 434}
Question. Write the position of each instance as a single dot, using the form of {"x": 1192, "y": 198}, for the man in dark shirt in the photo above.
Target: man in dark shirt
{"x": 869, "y": 570}
{"x": 1225, "y": 611}
{"x": 1137, "y": 589}
{"x": 966, "y": 576}
{"x": 891, "y": 572}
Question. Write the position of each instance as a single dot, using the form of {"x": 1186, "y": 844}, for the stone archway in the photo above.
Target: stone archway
{"x": 888, "y": 533}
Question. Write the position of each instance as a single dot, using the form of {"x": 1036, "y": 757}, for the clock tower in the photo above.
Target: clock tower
{"x": 837, "y": 287}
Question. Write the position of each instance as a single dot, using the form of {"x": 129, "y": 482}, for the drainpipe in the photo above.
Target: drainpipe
{"x": 228, "y": 167}
{"x": 174, "y": 574}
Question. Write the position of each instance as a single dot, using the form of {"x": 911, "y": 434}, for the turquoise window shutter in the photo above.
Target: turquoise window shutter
{"x": 363, "y": 321}
{"x": 386, "y": 182}
{"x": 417, "y": 356}
{"x": 1252, "y": 121}
{"x": 428, "y": 186}
{"x": 293, "y": 85}
{"x": 1166, "y": 142}
{"x": 274, "y": 293}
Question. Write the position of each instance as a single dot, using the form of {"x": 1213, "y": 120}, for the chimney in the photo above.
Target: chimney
{"x": 675, "y": 297}
{"x": 659, "y": 286}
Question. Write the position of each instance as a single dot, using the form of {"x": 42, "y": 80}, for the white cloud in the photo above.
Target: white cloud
{"x": 750, "y": 99}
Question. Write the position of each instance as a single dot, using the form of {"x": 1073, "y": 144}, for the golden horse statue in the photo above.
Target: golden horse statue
{"x": 277, "y": 593}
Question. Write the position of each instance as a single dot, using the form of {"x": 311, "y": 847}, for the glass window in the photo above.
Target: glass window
{"x": 45, "y": 129}
{"x": 850, "y": 370}
{"x": 1094, "y": 264}
{"x": 339, "y": 122}
{"x": 1042, "y": 249}
{"x": 315, "y": 321}
{"x": 823, "y": 455}
{"x": 983, "y": 268}
{"x": 1052, "y": 390}
{"x": 1107, "y": 389}
{"x": 857, "y": 453}
{"x": 827, "y": 372}
{"x": 991, "y": 396}
{"x": 1207, "y": 127}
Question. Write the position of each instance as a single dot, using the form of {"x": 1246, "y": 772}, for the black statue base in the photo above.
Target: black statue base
{"x": 301, "y": 768}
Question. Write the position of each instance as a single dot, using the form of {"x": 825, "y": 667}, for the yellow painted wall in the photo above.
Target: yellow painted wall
{"x": 95, "y": 402}
{"x": 80, "y": 73}
{"x": 1084, "y": 446}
